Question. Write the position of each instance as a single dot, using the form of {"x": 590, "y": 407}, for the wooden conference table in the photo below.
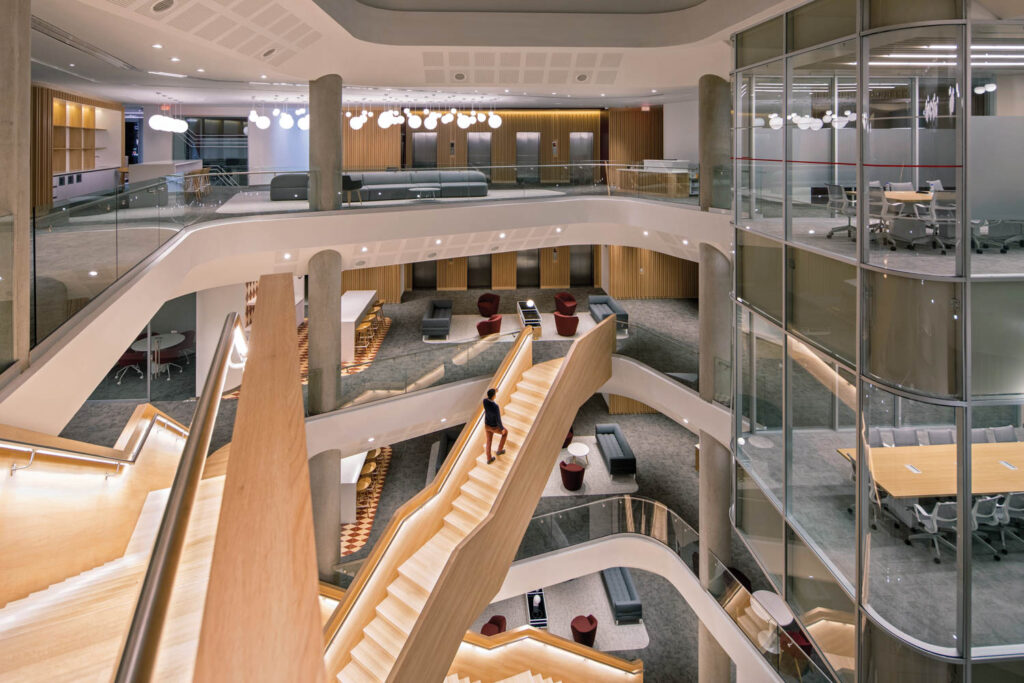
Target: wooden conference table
{"x": 904, "y": 196}
{"x": 930, "y": 471}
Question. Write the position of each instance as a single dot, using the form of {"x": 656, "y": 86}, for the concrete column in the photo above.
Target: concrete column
{"x": 715, "y": 537}
{"x": 714, "y": 141}
{"x": 324, "y": 331}
{"x": 325, "y": 124}
{"x": 15, "y": 178}
{"x": 715, "y": 323}
{"x": 325, "y": 490}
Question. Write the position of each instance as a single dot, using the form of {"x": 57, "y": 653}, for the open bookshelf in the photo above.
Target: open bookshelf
{"x": 84, "y": 137}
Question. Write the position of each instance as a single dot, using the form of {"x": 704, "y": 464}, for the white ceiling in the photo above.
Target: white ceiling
{"x": 232, "y": 51}
{"x": 537, "y": 6}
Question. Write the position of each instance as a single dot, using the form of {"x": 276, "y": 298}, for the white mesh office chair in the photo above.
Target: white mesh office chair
{"x": 1005, "y": 434}
{"x": 985, "y": 518}
{"x": 935, "y": 185}
{"x": 941, "y": 519}
{"x": 840, "y": 205}
{"x": 901, "y": 187}
{"x": 940, "y": 436}
{"x": 905, "y": 436}
{"x": 882, "y": 211}
{"x": 1009, "y": 512}
{"x": 940, "y": 215}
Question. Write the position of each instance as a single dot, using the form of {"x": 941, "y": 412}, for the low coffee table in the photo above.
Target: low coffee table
{"x": 579, "y": 453}
{"x": 529, "y": 316}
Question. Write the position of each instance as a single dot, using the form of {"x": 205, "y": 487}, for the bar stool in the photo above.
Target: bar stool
{"x": 363, "y": 491}
{"x": 373, "y": 324}
{"x": 363, "y": 335}
{"x": 368, "y": 469}
{"x": 372, "y": 454}
{"x": 378, "y": 312}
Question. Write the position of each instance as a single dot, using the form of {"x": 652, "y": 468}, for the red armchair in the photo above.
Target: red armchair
{"x": 494, "y": 626}
{"x": 566, "y": 324}
{"x": 572, "y": 476}
{"x": 490, "y": 326}
{"x": 487, "y": 304}
{"x": 584, "y": 630}
{"x": 565, "y": 303}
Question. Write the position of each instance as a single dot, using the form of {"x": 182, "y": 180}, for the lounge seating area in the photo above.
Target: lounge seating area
{"x": 438, "y": 320}
{"x": 381, "y": 185}
{"x": 618, "y": 456}
{"x": 622, "y": 596}
{"x": 601, "y": 306}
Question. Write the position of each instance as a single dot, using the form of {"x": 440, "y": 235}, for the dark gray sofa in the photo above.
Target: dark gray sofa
{"x": 622, "y": 596}
{"x": 618, "y": 456}
{"x": 289, "y": 186}
{"x": 601, "y": 306}
{"x": 438, "y": 320}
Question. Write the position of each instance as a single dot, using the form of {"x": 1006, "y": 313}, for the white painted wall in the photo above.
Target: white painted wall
{"x": 277, "y": 149}
{"x": 212, "y": 307}
{"x": 156, "y": 145}
{"x": 680, "y": 130}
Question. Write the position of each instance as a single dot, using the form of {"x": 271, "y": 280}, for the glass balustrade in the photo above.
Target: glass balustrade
{"x": 673, "y": 356}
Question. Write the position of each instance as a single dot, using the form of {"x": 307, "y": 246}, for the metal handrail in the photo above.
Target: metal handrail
{"x": 138, "y": 658}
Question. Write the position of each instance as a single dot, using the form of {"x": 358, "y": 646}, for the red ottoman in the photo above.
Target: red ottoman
{"x": 572, "y": 475}
{"x": 584, "y": 630}
{"x": 490, "y": 326}
{"x": 487, "y": 304}
{"x": 566, "y": 324}
{"x": 494, "y": 626}
{"x": 565, "y": 303}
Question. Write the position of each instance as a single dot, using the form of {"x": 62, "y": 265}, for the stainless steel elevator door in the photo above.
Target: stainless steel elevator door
{"x": 581, "y": 156}
{"x": 479, "y": 271}
{"x": 581, "y": 265}
{"x": 528, "y": 158}
{"x": 478, "y": 152}
{"x": 424, "y": 275}
{"x": 424, "y": 150}
{"x": 527, "y": 268}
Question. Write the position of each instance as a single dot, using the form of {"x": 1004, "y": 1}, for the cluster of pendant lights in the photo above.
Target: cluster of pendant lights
{"x": 775, "y": 122}
{"x": 167, "y": 124}
{"x": 428, "y": 119}
{"x": 284, "y": 119}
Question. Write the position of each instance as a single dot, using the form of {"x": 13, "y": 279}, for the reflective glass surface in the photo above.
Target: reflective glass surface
{"x": 759, "y": 273}
{"x": 760, "y": 170}
{"x": 823, "y": 302}
{"x": 761, "y": 525}
{"x": 760, "y": 445}
{"x": 997, "y": 355}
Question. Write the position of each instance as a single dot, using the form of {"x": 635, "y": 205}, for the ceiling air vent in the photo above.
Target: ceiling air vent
{"x": 432, "y": 254}
{"x": 582, "y": 78}
{"x": 361, "y": 262}
{"x": 269, "y": 53}
{"x": 459, "y": 76}
{"x": 162, "y": 6}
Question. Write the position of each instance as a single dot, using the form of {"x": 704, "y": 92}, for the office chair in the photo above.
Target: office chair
{"x": 934, "y": 185}
{"x": 985, "y": 518}
{"x": 882, "y": 211}
{"x": 998, "y": 233}
{"x": 875, "y": 437}
{"x": 1006, "y": 434}
{"x": 979, "y": 435}
{"x": 905, "y": 436}
{"x": 940, "y": 215}
{"x": 901, "y": 187}
{"x": 839, "y": 203}
{"x": 941, "y": 519}
{"x": 1009, "y": 512}
{"x": 940, "y": 436}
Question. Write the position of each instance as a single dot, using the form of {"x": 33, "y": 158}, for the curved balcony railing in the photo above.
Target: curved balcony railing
{"x": 83, "y": 245}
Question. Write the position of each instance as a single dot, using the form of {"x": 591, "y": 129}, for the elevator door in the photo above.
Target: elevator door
{"x": 479, "y": 271}
{"x": 528, "y": 268}
{"x": 581, "y": 265}
{"x": 581, "y": 156}
{"x": 424, "y": 275}
{"x": 424, "y": 150}
{"x": 528, "y": 158}
{"x": 478, "y": 152}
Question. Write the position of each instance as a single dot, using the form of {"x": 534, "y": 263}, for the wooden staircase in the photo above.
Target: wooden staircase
{"x": 384, "y": 637}
{"x": 527, "y": 677}
{"x": 74, "y": 630}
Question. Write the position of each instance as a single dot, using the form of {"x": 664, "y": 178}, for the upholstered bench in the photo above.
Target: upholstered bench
{"x": 618, "y": 456}
{"x": 601, "y": 306}
{"x": 438, "y": 320}
{"x": 622, "y": 596}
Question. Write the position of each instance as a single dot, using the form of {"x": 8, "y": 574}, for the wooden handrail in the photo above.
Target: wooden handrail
{"x": 499, "y": 640}
{"x": 419, "y": 500}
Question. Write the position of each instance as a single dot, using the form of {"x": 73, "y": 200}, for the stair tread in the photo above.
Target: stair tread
{"x": 461, "y": 521}
{"x": 373, "y": 657}
{"x": 409, "y": 591}
{"x": 397, "y": 613}
{"x": 354, "y": 672}
{"x": 386, "y": 635}
{"x": 475, "y": 509}
{"x": 484, "y": 492}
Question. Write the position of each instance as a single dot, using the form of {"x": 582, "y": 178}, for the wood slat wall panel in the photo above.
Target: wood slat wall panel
{"x": 408, "y": 277}
{"x": 263, "y": 573}
{"x": 621, "y": 405}
{"x": 452, "y": 274}
{"x": 663, "y": 276}
{"x": 371, "y": 148}
{"x": 598, "y": 268}
{"x": 554, "y": 268}
{"x": 503, "y": 270}
{"x": 634, "y": 135}
{"x": 387, "y": 280}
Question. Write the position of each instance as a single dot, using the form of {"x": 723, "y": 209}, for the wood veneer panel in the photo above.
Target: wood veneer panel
{"x": 476, "y": 568}
{"x": 621, "y": 405}
{"x": 408, "y": 276}
{"x": 503, "y": 270}
{"x": 636, "y": 273}
{"x": 261, "y": 619}
{"x": 371, "y": 148}
{"x": 634, "y": 135}
{"x": 452, "y": 274}
{"x": 554, "y": 268}
{"x": 387, "y": 280}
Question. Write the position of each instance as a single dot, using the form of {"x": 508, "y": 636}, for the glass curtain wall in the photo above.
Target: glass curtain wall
{"x": 879, "y": 419}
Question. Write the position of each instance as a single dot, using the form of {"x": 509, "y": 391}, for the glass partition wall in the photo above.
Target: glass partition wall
{"x": 879, "y": 412}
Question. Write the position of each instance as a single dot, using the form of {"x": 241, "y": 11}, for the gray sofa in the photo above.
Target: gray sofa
{"x": 390, "y": 184}
{"x": 618, "y": 456}
{"x": 289, "y": 186}
{"x": 601, "y": 306}
{"x": 438, "y": 320}
{"x": 622, "y": 596}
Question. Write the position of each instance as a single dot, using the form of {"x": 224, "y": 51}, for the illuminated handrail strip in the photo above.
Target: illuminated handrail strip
{"x": 415, "y": 504}
{"x": 499, "y": 640}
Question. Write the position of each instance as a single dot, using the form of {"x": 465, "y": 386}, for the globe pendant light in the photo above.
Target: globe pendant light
{"x": 286, "y": 120}
{"x": 415, "y": 121}
{"x": 494, "y": 120}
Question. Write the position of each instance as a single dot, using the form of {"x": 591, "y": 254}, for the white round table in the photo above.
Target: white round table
{"x": 580, "y": 451}
{"x": 774, "y": 605}
{"x": 159, "y": 341}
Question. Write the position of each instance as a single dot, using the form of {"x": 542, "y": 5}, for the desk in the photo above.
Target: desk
{"x": 355, "y": 304}
{"x": 157, "y": 342}
{"x": 350, "y": 469}
{"x": 909, "y": 197}
{"x": 767, "y": 604}
{"x": 936, "y": 469}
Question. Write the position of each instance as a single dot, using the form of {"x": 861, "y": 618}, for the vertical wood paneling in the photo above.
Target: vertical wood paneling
{"x": 371, "y": 148}
{"x": 503, "y": 270}
{"x": 636, "y": 273}
{"x": 620, "y": 405}
{"x": 597, "y": 266}
{"x": 387, "y": 280}
{"x": 452, "y": 274}
{"x": 634, "y": 135}
{"x": 408, "y": 277}
{"x": 554, "y": 268}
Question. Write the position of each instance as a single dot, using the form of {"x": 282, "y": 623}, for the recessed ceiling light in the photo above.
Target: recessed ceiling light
{"x": 437, "y": 241}
{"x": 653, "y": 90}
{"x": 287, "y": 256}
{"x": 645, "y": 233}
{"x": 93, "y": 273}
{"x": 263, "y": 75}
{"x": 175, "y": 59}
{"x": 444, "y": 419}
{"x": 685, "y": 242}
{"x": 501, "y": 236}
{"x": 371, "y": 439}
{"x": 506, "y": 89}
{"x": 158, "y": 46}
{"x": 365, "y": 249}
{"x": 558, "y": 230}
{"x": 71, "y": 65}
{"x": 201, "y": 70}
{"x": 554, "y": 93}
{"x": 602, "y": 94}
